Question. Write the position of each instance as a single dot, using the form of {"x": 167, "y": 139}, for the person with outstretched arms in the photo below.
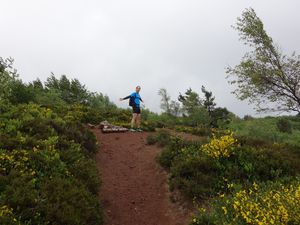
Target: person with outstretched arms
{"x": 135, "y": 102}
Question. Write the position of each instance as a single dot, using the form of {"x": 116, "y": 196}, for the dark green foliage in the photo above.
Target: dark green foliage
{"x": 203, "y": 131}
{"x": 284, "y": 125}
{"x": 148, "y": 126}
{"x": 195, "y": 177}
{"x": 248, "y": 117}
{"x": 162, "y": 138}
{"x": 190, "y": 101}
{"x": 46, "y": 170}
{"x": 208, "y": 103}
{"x": 50, "y": 98}
{"x": 151, "y": 139}
{"x": 194, "y": 112}
{"x": 163, "y": 120}
{"x": 21, "y": 93}
{"x": 75, "y": 131}
{"x": 199, "y": 176}
{"x": 171, "y": 151}
{"x": 71, "y": 91}
{"x": 85, "y": 171}
{"x": 220, "y": 117}
{"x": 250, "y": 164}
{"x": 21, "y": 194}
{"x": 197, "y": 117}
{"x": 191, "y": 111}
{"x": 8, "y": 76}
{"x": 205, "y": 219}
{"x": 100, "y": 101}
{"x": 68, "y": 203}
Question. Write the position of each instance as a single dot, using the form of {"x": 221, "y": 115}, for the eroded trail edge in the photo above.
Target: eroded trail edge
{"x": 134, "y": 189}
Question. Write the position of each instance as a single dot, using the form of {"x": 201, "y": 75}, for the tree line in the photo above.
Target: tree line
{"x": 194, "y": 109}
{"x": 54, "y": 92}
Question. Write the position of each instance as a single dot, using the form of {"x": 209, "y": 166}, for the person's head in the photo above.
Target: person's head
{"x": 137, "y": 89}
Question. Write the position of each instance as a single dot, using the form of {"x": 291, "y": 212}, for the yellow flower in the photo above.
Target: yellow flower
{"x": 5, "y": 210}
{"x": 267, "y": 206}
{"x": 221, "y": 147}
{"x": 225, "y": 210}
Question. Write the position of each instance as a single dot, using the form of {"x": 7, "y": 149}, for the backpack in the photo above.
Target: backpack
{"x": 132, "y": 100}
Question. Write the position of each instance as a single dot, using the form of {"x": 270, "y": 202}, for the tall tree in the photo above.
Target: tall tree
{"x": 190, "y": 101}
{"x": 37, "y": 84}
{"x": 193, "y": 110}
{"x": 208, "y": 103}
{"x": 220, "y": 116}
{"x": 7, "y": 76}
{"x": 78, "y": 92}
{"x": 70, "y": 91}
{"x": 175, "y": 108}
{"x": 21, "y": 93}
{"x": 52, "y": 82}
{"x": 98, "y": 100}
{"x": 165, "y": 100}
{"x": 265, "y": 75}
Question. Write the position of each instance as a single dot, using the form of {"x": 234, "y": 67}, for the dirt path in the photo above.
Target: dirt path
{"x": 134, "y": 189}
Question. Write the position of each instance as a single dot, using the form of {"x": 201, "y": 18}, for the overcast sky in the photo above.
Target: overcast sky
{"x": 112, "y": 46}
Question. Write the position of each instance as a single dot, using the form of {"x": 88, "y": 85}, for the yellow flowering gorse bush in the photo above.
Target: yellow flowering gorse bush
{"x": 257, "y": 205}
{"x": 7, "y": 216}
{"x": 220, "y": 147}
{"x": 16, "y": 159}
{"x": 262, "y": 207}
{"x": 5, "y": 210}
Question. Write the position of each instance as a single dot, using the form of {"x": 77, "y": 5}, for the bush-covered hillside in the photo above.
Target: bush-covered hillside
{"x": 243, "y": 170}
{"x": 47, "y": 171}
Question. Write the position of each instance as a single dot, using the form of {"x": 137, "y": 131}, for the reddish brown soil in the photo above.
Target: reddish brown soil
{"x": 134, "y": 189}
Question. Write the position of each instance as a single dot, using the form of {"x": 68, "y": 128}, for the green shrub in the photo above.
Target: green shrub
{"x": 20, "y": 194}
{"x": 265, "y": 203}
{"x": 198, "y": 130}
{"x": 162, "y": 138}
{"x": 148, "y": 126}
{"x": 284, "y": 125}
{"x": 196, "y": 177}
{"x": 85, "y": 171}
{"x": 67, "y": 202}
{"x": 265, "y": 129}
{"x": 151, "y": 139}
{"x": 261, "y": 164}
{"x": 47, "y": 174}
{"x": 191, "y": 171}
{"x": 171, "y": 151}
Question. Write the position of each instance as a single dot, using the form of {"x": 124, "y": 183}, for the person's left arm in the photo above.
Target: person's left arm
{"x": 141, "y": 99}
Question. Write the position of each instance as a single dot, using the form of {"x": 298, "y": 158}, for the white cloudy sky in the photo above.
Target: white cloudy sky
{"x": 113, "y": 45}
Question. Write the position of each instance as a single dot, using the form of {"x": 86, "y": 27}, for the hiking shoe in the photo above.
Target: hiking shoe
{"x": 139, "y": 130}
{"x": 132, "y": 130}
